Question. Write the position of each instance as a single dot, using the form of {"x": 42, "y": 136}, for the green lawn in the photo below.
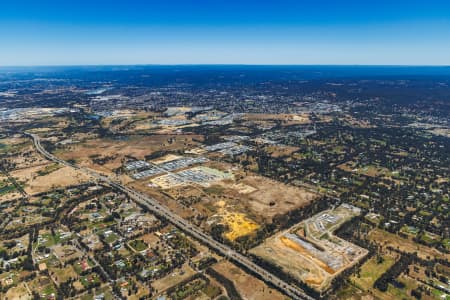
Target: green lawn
{"x": 425, "y": 213}
{"x": 64, "y": 274}
{"x": 215, "y": 189}
{"x": 403, "y": 293}
{"x": 188, "y": 289}
{"x": 100, "y": 225}
{"x": 48, "y": 290}
{"x": 439, "y": 295}
{"x": 111, "y": 238}
{"x": 4, "y": 148}
{"x": 6, "y": 187}
{"x": 50, "y": 240}
{"x": 371, "y": 271}
{"x": 51, "y": 261}
{"x": 3, "y": 183}
{"x": 430, "y": 238}
{"x": 446, "y": 243}
{"x": 409, "y": 230}
{"x": 49, "y": 169}
{"x": 89, "y": 280}
{"x": 138, "y": 245}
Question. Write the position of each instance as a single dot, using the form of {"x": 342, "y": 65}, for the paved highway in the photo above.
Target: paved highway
{"x": 154, "y": 206}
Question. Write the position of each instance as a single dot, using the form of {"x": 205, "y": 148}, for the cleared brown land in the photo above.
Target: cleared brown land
{"x": 386, "y": 239}
{"x": 184, "y": 191}
{"x": 248, "y": 286}
{"x": 175, "y": 206}
{"x": 280, "y": 151}
{"x": 370, "y": 170}
{"x": 34, "y": 183}
{"x": 20, "y": 292}
{"x": 24, "y": 156}
{"x": 61, "y": 275}
{"x": 273, "y": 197}
{"x": 14, "y": 140}
{"x": 117, "y": 150}
{"x": 170, "y": 280}
{"x": 287, "y": 119}
{"x": 10, "y": 195}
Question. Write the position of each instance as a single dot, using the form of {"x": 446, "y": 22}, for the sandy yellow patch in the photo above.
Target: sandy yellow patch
{"x": 166, "y": 158}
{"x": 238, "y": 223}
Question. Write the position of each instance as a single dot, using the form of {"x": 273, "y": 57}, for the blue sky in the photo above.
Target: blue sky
{"x": 75, "y": 32}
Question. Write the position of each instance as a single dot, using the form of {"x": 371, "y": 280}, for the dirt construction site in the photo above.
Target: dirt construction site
{"x": 238, "y": 223}
{"x": 310, "y": 252}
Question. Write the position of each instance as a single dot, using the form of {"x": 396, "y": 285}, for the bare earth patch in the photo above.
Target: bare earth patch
{"x": 281, "y": 151}
{"x": 173, "y": 278}
{"x": 19, "y": 292}
{"x": 117, "y": 150}
{"x": 34, "y": 183}
{"x": 248, "y": 286}
{"x": 273, "y": 197}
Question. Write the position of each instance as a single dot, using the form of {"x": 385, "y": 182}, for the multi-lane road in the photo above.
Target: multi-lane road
{"x": 162, "y": 211}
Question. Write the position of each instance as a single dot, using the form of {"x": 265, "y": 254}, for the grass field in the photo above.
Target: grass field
{"x": 110, "y": 238}
{"x": 138, "y": 245}
{"x": 385, "y": 238}
{"x": 60, "y": 177}
{"x": 371, "y": 271}
{"x": 402, "y": 293}
{"x": 64, "y": 275}
{"x": 49, "y": 169}
{"x": 48, "y": 240}
{"x": 409, "y": 230}
{"x": 19, "y": 292}
{"x": 6, "y": 188}
{"x": 446, "y": 243}
{"x": 90, "y": 280}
